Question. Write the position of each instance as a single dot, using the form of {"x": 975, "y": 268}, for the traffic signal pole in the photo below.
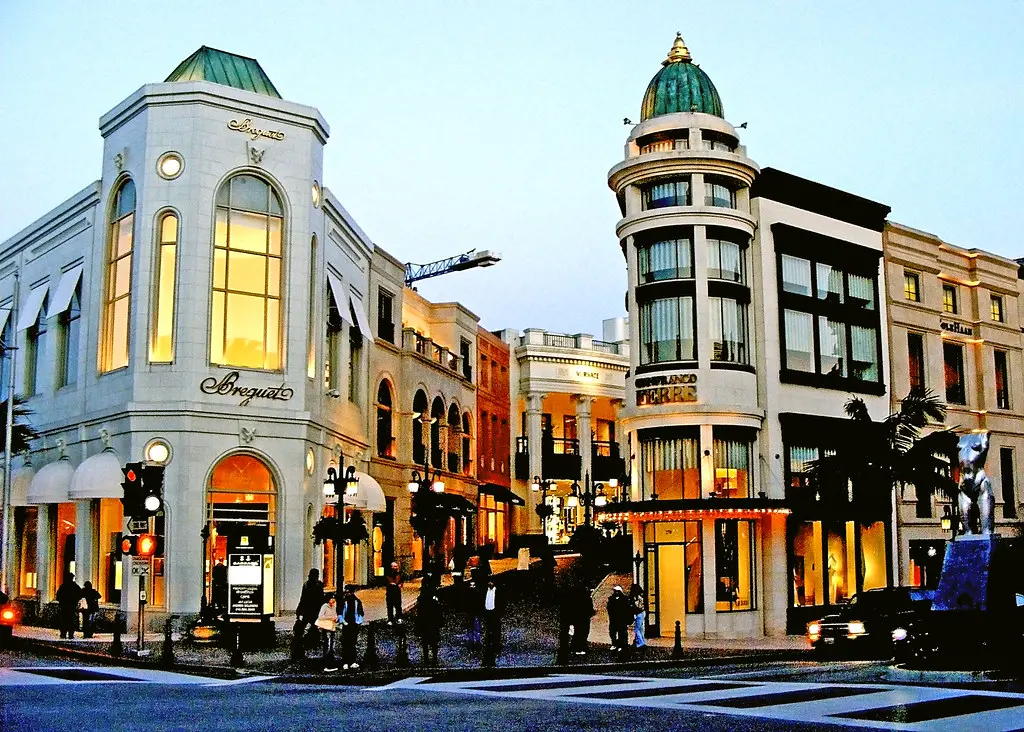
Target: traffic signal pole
{"x": 141, "y": 644}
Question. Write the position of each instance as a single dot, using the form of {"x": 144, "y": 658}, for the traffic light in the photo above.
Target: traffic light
{"x": 143, "y": 545}
{"x": 132, "y": 485}
{"x": 152, "y": 489}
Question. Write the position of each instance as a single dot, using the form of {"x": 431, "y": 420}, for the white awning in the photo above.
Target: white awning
{"x": 338, "y": 293}
{"x": 4, "y": 315}
{"x": 98, "y": 476}
{"x": 65, "y": 289}
{"x": 52, "y": 484}
{"x": 30, "y": 312}
{"x": 369, "y": 496}
{"x": 364, "y": 324}
{"x": 21, "y": 478}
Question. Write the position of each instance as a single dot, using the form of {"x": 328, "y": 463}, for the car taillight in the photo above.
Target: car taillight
{"x": 7, "y": 614}
{"x": 814, "y": 630}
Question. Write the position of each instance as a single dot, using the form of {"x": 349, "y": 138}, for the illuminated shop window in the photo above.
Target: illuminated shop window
{"x": 670, "y": 466}
{"x": 732, "y": 456}
{"x": 161, "y": 347}
{"x": 118, "y": 285}
{"x": 734, "y": 565}
{"x": 245, "y": 328}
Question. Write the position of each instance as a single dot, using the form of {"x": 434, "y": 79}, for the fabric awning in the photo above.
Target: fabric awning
{"x": 501, "y": 493}
{"x": 369, "y": 496}
{"x": 4, "y": 315}
{"x": 456, "y": 503}
{"x": 30, "y": 312}
{"x": 21, "y": 479}
{"x": 52, "y": 484}
{"x": 361, "y": 319}
{"x": 340, "y": 295}
{"x": 65, "y": 289}
{"x": 99, "y": 476}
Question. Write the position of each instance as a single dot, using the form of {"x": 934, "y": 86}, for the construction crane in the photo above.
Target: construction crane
{"x": 469, "y": 260}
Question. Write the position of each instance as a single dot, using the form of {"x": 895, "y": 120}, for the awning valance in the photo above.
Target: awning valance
{"x": 99, "y": 476}
{"x": 30, "y": 312}
{"x": 456, "y": 504}
{"x": 5, "y": 314}
{"x": 65, "y": 289}
{"x": 361, "y": 320}
{"x": 693, "y": 508}
{"x": 52, "y": 484}
{"x": 501, "y": 493}
{"x": 339, "y": 296}
{"x": 369, "y": 496}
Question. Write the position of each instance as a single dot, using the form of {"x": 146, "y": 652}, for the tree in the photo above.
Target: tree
{"x": 881, "y": 456}
{"x": 22, "y": 432}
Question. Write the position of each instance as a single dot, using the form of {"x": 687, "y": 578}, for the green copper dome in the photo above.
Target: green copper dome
{"x": 681, "y": 86}
{"x": 221, "y": 67}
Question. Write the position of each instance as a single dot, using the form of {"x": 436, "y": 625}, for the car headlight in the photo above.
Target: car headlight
{"x": 855, "y": 627}
{"x": 814, "y": 628}
{"x": 899, "y": 634}
{"x": 7, "y": 614}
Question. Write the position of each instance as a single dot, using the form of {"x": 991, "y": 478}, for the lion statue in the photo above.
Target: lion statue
{"x": 975, "y": 487}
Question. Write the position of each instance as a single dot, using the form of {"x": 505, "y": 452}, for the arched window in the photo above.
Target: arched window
{"x": 436, "y": 448}
{"x": 118, "y": 289}
{"x": 454, "y": 432}
{"x": 245, "y": 323}
{"x": 385, "y": 441}
{"x": 467, "y": 434}
{"x": 419, "y": 408}
{"x": 161, "y": 345}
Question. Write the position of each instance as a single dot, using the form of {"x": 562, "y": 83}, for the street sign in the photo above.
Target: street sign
{"x": 140, "y": 569}
{"x": 138, "y": 525}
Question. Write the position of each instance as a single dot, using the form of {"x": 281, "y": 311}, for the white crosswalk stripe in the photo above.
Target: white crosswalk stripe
{"x": 875, "y": 706}
{"x": 66, "y": 675}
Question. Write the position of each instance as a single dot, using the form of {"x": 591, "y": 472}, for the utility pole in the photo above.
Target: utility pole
{"x": 7, "y": 538}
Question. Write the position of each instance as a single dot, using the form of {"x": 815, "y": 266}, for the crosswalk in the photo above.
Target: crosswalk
{"x": 65, "y": 675}
{"x": 875, "y": 706}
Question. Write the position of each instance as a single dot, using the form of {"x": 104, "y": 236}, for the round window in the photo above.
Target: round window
{"x": 310, "y": 461}
{"x": 316, "y": 194}
{"x": 170, "y": 165}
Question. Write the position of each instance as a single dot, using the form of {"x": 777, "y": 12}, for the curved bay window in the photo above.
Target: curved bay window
{"x": 241, "y": 495}
{"x": 668, "y": 259}
{"x": 733, "y": 454}
{"x": 719, "y": 192}
{"x": 734, "y": 565}
{"x": 725, "y": 259}
{"x": 728, "y": 330}
{"x": 670, "y": 465}
{"x": 385, "y": 439}
{"x": 113, "y": 352}
{"x": 667, "y": 330}
{"x": 245, "y": 328}
{"x": 419, "y": 448}
{"x": 161, "y": 346}
{"x": 664, "y": 193}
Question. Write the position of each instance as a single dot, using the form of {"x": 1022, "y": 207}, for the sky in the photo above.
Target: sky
{"x": 486, "y": 125}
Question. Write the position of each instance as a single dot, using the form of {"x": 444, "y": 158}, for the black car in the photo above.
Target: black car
{"x": 865, "y": 624}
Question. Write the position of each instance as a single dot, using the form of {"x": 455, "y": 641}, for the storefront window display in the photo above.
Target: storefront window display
{"x": 670, "y": 465}
{"x": 25, "y": 518}
{"x": 734, "y": 562}
{"x": 63, "y": 538}
{"x": 109, "y": 519}
{"x": 825, "y": 564}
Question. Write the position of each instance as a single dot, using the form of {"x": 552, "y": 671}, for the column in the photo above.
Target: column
{"x": 710, "y": 577}
{"x": 425, "y": 419}
{"x": 775, "y": 573}
{"x": 85, "y": 541}
{"x": 44, "y": 559}
{"x": 534, "y": 410}
{"x": 583, "y": 410}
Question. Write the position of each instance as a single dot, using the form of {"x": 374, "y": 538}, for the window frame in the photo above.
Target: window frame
{"x": 159, "y": 287}
{"x": 385, "y": 325}
{"x": 69, "y": 330}
{"x": 648, "y": 203}
{"x": 996, "y": 309}
{"x": 950, "y": 304}
{"x": 712, "y": 184}
{"x": 646, "y": 275}
{"x": 385, "y": 421}
{"x": 957, "y": 369}
{"x": 114, "y": 356}
{"x": 911, "y": 286}
{"x": 649, "y": 350}
{"x": 34, "y": 350}
{"x": 741, "y": 346}
{"x": 1001, "y": 368}
{"x": 922, "y": 370}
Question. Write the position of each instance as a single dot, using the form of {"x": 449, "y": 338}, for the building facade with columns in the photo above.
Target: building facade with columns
{"x": 755, "y": 296}
{"x": 954, "y": 330}
{"x": 566, "y": 394}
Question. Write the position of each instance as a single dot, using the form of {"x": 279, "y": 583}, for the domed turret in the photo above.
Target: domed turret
{"x": 680, "y": 86}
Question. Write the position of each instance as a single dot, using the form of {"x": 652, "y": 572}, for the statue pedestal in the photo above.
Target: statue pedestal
{"x": 966, "y": 571}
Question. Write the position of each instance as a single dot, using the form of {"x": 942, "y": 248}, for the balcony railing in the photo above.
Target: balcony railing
{"x": 435, "y": 352}
{"x": 560, "y": 458}
{"x": 606, "y": 461}
{"x": 559, "y": 341}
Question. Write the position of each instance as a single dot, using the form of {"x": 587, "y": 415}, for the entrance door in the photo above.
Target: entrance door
{"x": 672, "y": 587}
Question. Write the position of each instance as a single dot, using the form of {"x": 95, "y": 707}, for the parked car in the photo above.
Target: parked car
{"x": 9, "y": 616}
{"x": 864, "y": 625}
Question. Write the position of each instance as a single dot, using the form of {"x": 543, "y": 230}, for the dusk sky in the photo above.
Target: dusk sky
{"x": 459, "y": 125}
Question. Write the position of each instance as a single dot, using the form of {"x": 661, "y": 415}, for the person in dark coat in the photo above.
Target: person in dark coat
{"x": 428, "y": 625}
{"x": 68, "y": 595}
{"x": 491, "y": 613}
{"x": 92, "y": 606}
{"x": 393, "y": 594}
{"x": 310, "y": 602}
{"x": 620, "y": 617}
{"x": 577, "y": 610}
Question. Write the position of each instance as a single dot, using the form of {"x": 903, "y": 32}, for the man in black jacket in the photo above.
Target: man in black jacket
{"x": 68, "y": 595}
{"x": 310, "y": 602}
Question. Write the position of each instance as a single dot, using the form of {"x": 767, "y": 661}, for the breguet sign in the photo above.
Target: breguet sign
{"x": 229, "y": 386}
{"x": 246, "y": 125}
{"x": 666, "y": 389}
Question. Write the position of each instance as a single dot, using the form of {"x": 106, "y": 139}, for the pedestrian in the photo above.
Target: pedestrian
{"x": 327, "y": 622}
{"x": 492, "y": 624}
{"x": 219, "y": 587}
{"x": 636, "y": 597}
{"x": 88, "y": 606}
{"x": 428, "y": 625}
{"x": 460, "y": 557}
{"x": 393, "y": 594}
{"x": 68, "y": 595}
{"x": 306, "y": 614}
{"x": 351, "y": 617}
{"x": 581, "y": 612}
{"x": 620, "y": 617}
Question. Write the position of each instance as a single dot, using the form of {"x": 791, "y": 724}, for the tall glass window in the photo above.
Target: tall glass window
{"x": 796, "y": 275}
{"x": 949, "y": 303}
{"x": 732, "y": 455}
{"x": 1002, "y": 380}
{"x": 666, "y": 260}
{"x": 915, "y": 361}
{"x": 670, "y": 467}
{"x": 734, "y": 564}
{"x": 997, "y": 308}
{"x": 1008, "y": 479}
{"x": 161, "y": 347}
{"x": 245, "y": 327}
{"x": 34, "y": 348}
{"x": 832, "y": 344}
{"x": 953, "y": 362}
{"x": 861, "y": 291}
{"x": 118, "y": 286}
{"x": 728, "y": 330}
{"x": 666, "y": 193}
{"x": 332, "y": 345}
{"x": 355, "y": 363}
{"x": 799, "y": 329}
{"x": 311, "y": 316}
{"x": 419, "y": 408}
{"x": 667, "y": 331}
{"x": 7, "y": 342}
{"x": 385, "y": 439}
{"x": 725, "y": 260}
{"x": 864, "y": 353}
{"x": 719, "y": 192}
{"x": 69, "y": 323}
{"x": 830, "y": 283}
{"x": 911, "y": 286}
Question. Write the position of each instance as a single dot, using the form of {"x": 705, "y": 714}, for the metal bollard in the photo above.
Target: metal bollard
{"x": 116, "y": 648}
{"x": 167, "y": 655}
{"x": 370, "y": 660}
{"x": 402, "y": 657}
{"x": 677, "y": 650}
{"x": 236, "y": 654}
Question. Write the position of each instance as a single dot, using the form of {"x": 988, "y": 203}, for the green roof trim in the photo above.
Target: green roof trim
{"x": 229, "y": 69}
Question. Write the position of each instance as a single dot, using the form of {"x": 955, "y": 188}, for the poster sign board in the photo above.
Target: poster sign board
{"x": 250, "y": 555}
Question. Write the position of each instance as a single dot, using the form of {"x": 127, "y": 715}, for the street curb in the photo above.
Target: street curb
{"x": 928, "y": 676}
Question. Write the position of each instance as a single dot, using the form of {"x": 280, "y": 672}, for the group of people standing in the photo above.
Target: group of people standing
{"x": 577, "y": 610}
{"x": 319, "y": 609}
{"x": 73, "y": 601}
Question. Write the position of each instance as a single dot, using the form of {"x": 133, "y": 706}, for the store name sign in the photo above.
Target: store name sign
{"x": 666, "y": 389}
{"x": 247, "y": 127}
{"x": 228, "y": 386}
{"x": 958, "y": 328}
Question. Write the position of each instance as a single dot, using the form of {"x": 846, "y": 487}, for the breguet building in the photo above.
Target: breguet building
{"x": 758, "y": 304}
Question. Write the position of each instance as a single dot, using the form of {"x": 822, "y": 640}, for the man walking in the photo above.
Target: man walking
{"x": 393, "y": 594}
{"x": 68, "y": 595}
{"x": 310, "y": 602}
{"x": 492, "y": 625}
{"x": 620, "y": 617}
{"x": 581, "y": 611}
{"x": 351, "y": 617}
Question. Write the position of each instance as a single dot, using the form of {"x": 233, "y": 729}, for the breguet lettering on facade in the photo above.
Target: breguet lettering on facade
{"x": 228, "y": 386}
{"x": 255, "y": 133}
{"x": 666, "y": 389}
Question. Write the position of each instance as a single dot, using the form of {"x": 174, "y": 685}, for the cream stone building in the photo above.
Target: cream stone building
{"x": 954, "y": 329}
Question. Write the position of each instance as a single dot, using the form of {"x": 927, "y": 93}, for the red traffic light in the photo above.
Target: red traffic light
{"x": 130, "y": 475}
{"x": 127, "y": 545}
{"x": 146, "y": 545}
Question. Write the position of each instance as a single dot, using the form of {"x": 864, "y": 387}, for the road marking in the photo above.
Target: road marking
{"x": 75, "y": 675}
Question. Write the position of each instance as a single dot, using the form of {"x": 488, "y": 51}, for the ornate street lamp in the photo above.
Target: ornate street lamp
{"x": 347, "y": 483}
{"x": 543, "y": 510}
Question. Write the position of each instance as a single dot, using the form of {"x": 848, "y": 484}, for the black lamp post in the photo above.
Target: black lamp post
{"x": 341, "y": 483}
{"x": 637, "y": 561}
{"x": 542, "y": 487}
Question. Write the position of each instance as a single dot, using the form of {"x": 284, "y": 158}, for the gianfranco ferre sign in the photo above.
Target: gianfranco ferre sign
{"x": 666, "y": 389}
{"x": 246, "y": 126}
{"x": 228, "y": 386}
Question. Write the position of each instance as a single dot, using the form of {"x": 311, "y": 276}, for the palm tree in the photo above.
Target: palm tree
{"x": 22, "y": 432}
